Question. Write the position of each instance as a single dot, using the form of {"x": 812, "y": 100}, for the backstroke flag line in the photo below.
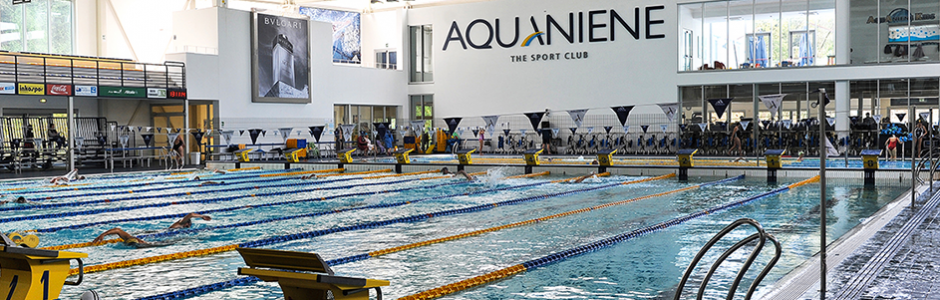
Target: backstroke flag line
{"x": 670, "y": 109}
{"x": 720, "y": 105}
{"x": 490, "y": 124}
{"x": 577, "y": 116}
{"x": 622, "y": 113}
{"x": 535, "y": 118}
{"x": 773, "y": 102}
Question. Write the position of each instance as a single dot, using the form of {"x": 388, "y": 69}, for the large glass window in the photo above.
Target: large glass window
{"x": 895, "y": 31}
{"x": 422, "y": 108}
{"x": 421, "y": 44}
{"x": 43, "y": 26}
{"x": 742, "y": 34}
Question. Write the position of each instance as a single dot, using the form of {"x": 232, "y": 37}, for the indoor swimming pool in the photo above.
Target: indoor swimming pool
{"x": 384, "y": 226}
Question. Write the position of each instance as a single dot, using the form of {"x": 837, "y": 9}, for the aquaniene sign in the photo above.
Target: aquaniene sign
{"x": 595, "y": 26}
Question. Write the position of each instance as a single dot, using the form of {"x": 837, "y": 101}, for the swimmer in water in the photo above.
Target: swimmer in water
{"x": 187, "y": 221}
{"x": 130, "y": 240}
{"x": 211, "y": 183}
{"x": 469, "y": 177}
{"x": 311, "y": 176}
{"x": 582, "y": 178}
{"x": 20, "y": 200}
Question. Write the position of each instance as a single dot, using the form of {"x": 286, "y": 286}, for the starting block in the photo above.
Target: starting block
{"x": 35, "y": 274}
{"x": 870, "y": 164}
{"x": 242, "y": 154}
{"x": 402, "y": 156}
{"x": 305, "y": 286}
{"x": 28, "y": 241}
{"x": 531, "y": 159}
{"x": 345, "y": 156}
{"x": 463, "y": 156}
{"x": 605, "y": 158}
{"x": 685, "y": 162}
{"x": 294, "y": 154}
{"x": 772, "y": 156}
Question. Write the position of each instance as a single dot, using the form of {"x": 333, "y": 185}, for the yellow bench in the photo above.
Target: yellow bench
{"x": 305, "y": 286}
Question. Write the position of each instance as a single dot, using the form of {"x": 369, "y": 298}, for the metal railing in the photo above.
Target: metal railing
{"x": 78, "y": 70}
{"x": 760, "y": 236}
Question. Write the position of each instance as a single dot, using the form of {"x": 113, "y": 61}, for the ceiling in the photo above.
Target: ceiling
{"x": 358, "y": 5}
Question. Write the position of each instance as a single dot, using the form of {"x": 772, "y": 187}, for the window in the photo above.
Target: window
{"x": 386, "y": 59}
{"x": 421, "y": 69}
{"x": 364, "y": 115}
{"x": 43, "y": 26}
{"x": 422, "y": 108}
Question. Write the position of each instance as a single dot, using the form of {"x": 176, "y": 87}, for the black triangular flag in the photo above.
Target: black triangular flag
{"x": 264, "y": 132}
{"x": 573, "y": 129}
{"x": 535, "y": 118}
{"x": 253, "y": 133}
{"x": 901, "y": 116}
{"x": 452, "y": 124}
{"x": 720, "y": 105}
{"x": 622, "y": 113}
{"x": 645, "y": 127}
{"x": 506, "y": 131}
{"x": 241, "y": 132}
{"x": 316, "y": 131}
{"x": 476, "y": 132}
{"x": 608, "y": 128}
{"x": 198, "y": 136}
{"x": 765, "y": 122}
{"x": 147, "y": 139}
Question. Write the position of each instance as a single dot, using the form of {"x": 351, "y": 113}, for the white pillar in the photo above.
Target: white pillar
{"x": 186, "y": 134}
{"x": 71, "y": 129}
{"x": 843, "y": 105}
{"x": 843, "y": 33}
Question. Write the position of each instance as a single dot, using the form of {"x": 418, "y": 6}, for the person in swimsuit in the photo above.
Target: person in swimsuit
{"x": 60, "y": 180}
{"x": 582, "y": 178}
{"x": 469, "y": 177}
{"x": 736, "y": 144}
{"x": 482, "y": 131}
{"x": 20, "y": 200}
{"x": 129, "y": 239}
{"x": 919, "y": 133}
{"x": 178, "y": 147}
{"x": 311, "y": 176}
{"x": 187, "y": 221}
{"x": 892, "y": 145}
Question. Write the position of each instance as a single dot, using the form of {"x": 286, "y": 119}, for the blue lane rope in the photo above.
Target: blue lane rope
{"x": 180, "y": 215}
{"x": 180, "y": 194}
{"x": 96, "y": 187}
{"x": 251, "y": 279}
{"x": 200, "y": 201}
{"x": 335, "y": 211}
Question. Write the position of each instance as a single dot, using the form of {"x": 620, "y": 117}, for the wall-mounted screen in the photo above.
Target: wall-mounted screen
{"x": 280, "y": 59}
{"x": 346, "y": 40}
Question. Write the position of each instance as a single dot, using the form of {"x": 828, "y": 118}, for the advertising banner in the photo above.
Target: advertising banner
{"x": 7, "y": 88}
{"x": 720, "y": 105}
{"x": 122, "y": 92}
{"x": 86, "y": 90}
{"x": 58, "y": 89}
{"x": 156, "y": 93}
{"x": 31, "y": 89}
{"x": 176, "y": 93}
{"x": 280, "y": 59}
{"x": 622, "y": 113}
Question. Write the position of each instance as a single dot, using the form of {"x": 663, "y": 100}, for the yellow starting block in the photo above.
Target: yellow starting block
{"x": 345, "y": 156}
{"x": 402, "y": 156}
{"x": 685, "y": 157}
{"x": 305, "y": 286}
{"x": 242, "y": 154}
{"x": 463, "y": 156}
{"x": 532, "y": 157}
{"x": 870, "y": 159}
{"x": 772, "y": 156}
{"x": 605, "y": 158}
{"x": 35, "y": 274}
{"x": 294, "y": 154}
{"x": 28, "y": 241}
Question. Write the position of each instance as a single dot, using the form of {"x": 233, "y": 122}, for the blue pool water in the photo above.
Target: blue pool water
{"x": 645, "y": 267}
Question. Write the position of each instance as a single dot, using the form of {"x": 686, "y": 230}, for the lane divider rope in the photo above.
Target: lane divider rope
{"x": 246, "y": 280}
{"x": 413, "y": 218}
{"x": 577, "y": 251}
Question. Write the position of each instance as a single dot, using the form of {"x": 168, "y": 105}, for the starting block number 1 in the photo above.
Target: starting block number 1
{"x": 45, "y": 285}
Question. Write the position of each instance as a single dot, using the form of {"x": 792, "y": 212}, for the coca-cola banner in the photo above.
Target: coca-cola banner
{"x": 58, "y": 89}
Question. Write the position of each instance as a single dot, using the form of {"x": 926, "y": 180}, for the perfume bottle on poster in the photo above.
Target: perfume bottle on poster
{"x": 283, "y": 54}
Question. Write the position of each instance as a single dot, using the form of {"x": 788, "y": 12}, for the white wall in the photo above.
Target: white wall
{"x": 86, "y": 27}
{"x": 86, "y": 107}
{"x": 381, "y": 30}
{"x": 227, "y": 77}
{"x": 483, "y": 82}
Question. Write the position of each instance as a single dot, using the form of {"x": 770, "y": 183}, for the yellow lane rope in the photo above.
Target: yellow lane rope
{"x": 527, "y": 222}
{"x": 356, "y": 173}
{"x": 804, "y": 182}
{"x": 546, "y": 173}
{"x": 605, "y": 174}
{"x": 181, "y": 255}
{"x": 302, "y": 173}
{"x": 402, "y": 174}
{"x": 451, "y": 176}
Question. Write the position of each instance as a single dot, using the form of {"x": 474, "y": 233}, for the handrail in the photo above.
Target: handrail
{"x": 760, "y": 235}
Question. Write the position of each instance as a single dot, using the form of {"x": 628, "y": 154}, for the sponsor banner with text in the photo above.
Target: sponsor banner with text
{"x": 7, "y": 88}
{"x": 122, "y": 92}
{"x": 58, "y": 90}
{"x": 86, "y": 90}
{"x": 31, "y": 89}
{"x": 176, "y": 93}
{"x": 156, "y": 93}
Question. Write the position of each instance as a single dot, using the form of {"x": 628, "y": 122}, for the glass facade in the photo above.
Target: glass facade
{"x": 43, "y": 26}
{"x": 421, "y": 43}
{"x": 894, "y": 31}
{"x": 746, "y": 34}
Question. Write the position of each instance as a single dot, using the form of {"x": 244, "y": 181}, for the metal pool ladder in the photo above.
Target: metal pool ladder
{"x": 761, "y": 236}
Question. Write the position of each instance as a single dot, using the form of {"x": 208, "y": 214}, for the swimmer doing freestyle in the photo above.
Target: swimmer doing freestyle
{"x": 133, "y": 241}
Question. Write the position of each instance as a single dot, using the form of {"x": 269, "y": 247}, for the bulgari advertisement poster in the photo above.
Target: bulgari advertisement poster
{"x": 280, "y": 59}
